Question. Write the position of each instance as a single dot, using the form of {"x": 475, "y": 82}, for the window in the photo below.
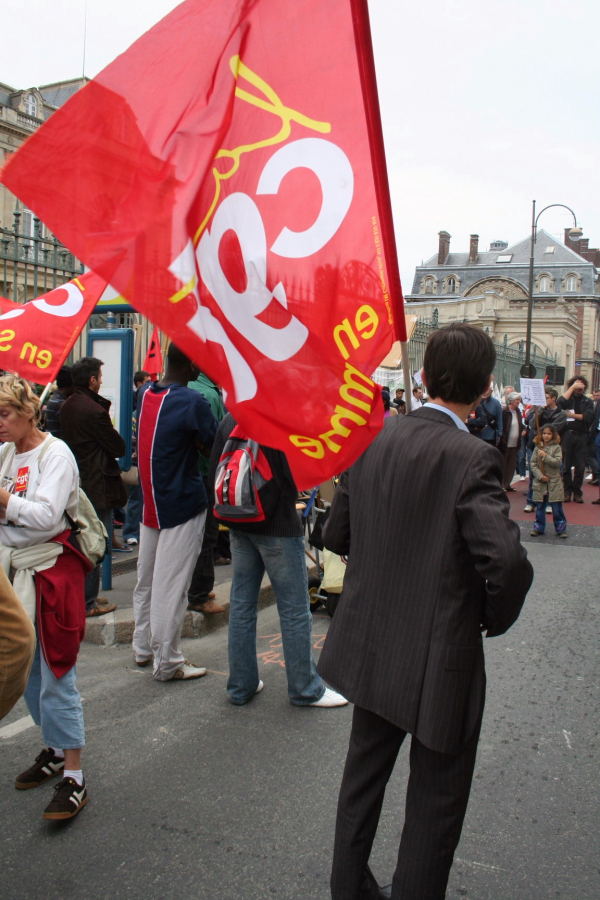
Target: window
{"x": 544, "y": 284}
{"x": 30, "y": 105}
{"x": 504, "y": 258}
{"x": 550, "y": 249}
{"x": 571, "y": 283}
{"x": 429, "y": 286}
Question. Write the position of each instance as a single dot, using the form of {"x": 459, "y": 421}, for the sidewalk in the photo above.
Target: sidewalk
{"x": 117, "y": 627}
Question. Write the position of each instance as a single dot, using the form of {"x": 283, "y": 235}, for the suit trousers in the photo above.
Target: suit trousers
{"x": 165, "y": 563}
{"x": 436, "y": 802}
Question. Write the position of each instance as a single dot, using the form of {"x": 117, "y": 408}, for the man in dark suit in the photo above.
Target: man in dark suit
{"x": 434, "y": 560}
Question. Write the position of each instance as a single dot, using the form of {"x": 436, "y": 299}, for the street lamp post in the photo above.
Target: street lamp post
{"x": 527, "y": 370}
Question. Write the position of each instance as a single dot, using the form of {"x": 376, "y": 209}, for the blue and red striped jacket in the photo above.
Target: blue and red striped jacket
{"x": 170, "y": 419}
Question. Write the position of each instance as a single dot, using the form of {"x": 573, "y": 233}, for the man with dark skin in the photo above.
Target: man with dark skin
{"x": 174, "y": 422}
{"x": 580, "y": 413}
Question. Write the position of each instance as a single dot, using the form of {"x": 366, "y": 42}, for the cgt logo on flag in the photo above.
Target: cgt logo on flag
{"x": 240, "y": 202}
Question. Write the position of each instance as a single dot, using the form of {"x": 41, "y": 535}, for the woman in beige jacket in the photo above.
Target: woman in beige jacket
{"x": 547, "y": 481}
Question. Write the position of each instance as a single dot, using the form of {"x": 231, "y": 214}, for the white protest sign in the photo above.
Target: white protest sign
{"x": 533, "y": 391}
{"x": 418, "y": 377}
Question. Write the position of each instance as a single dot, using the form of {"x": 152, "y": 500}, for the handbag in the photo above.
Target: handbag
{"x": 131, "y": 477}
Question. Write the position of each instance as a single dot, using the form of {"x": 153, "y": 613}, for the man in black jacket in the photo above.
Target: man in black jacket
{"x": 580, "y": 413}
{"x": 85, "y": 425}
{"x": 277, "y": 546}
{"x": 433, "y": 560}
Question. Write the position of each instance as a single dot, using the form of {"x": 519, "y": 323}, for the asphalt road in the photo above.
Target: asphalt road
{"x": 191, "y": 797}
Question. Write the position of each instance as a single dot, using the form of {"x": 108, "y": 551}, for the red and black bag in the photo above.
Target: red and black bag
{"x": 245, "y": 490}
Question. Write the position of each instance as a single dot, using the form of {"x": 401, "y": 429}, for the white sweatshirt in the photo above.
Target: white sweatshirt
{"x": 40, "y": 494}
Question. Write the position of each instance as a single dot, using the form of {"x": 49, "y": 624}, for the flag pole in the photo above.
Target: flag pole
{"x": 407, "y": 375}
{"x": 44, "y": 393}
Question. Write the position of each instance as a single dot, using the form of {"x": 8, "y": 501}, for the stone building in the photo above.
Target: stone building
{"x": 21, "y": 113}
{"x": 490, "y": 288}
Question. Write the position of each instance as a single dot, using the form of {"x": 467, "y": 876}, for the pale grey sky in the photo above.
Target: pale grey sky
{"x": 485, "y": 106}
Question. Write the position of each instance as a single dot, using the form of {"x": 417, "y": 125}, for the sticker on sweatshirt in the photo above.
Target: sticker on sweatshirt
{"x": 22, "y": 480}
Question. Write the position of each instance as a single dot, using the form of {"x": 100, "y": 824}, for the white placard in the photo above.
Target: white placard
{"x": 418, "y": 377}
{"x": 533, "y": 391}
{"x": 110, "y": 352}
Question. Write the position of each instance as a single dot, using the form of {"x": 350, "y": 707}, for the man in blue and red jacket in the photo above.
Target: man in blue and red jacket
{"x": 174, "y": 422}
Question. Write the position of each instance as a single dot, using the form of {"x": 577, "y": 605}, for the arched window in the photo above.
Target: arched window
{"x": 31, "y": 105}
{"x": 544, "y": 284}
{"x": 429, "y": 286}
{"x": 450, "y": 284}
{"x": 571, "y": 283}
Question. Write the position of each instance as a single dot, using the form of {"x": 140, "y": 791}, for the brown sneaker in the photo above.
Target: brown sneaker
{"x": 97, "y": 610}
{"x": 46, "y": 766}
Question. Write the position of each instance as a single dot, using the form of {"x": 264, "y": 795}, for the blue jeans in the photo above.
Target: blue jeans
{"x": 55, "y": 705}
{"x": 283, "y": 560}
{"x": 598, "y": 448}
{"x": 131, "y": 528}
{"x": 560, "y": 522}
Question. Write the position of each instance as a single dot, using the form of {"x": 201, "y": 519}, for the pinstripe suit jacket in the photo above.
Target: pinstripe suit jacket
{"x": 433, "y": 557}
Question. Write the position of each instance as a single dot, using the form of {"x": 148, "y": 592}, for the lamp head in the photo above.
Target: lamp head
{"x": 575, "y": 233}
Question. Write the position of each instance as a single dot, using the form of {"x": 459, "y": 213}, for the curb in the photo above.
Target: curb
{"x": 117, "y": 627}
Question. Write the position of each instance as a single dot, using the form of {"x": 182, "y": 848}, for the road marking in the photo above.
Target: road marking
{"x": 469, "y": 862}
{"x": 567, "y": 735}
{"x": 16, "y": 727}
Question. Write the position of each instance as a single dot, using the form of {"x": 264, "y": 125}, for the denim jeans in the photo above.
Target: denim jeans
{"x": 530, "y": 489}
{"x": 92, "y": 579}
{"x": 283, "y": 560}
{"x": 55, "y": 704}
{"x": 598, "y": 448}
{"x": 560, "y": 522}
{"x": 131, "y": 528}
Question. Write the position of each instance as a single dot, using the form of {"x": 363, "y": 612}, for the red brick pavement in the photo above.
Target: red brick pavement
{"x": 576, "y": 513}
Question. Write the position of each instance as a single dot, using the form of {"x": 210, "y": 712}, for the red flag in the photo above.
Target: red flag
{"x": 37, "y": 337}
{"x": 153, "y": 364}
{"x": 237, "y": 196}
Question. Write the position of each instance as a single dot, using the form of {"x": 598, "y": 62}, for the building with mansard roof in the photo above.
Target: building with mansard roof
{"x": 490, "y": 288}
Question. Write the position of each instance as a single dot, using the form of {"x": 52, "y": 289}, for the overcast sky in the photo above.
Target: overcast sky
{"x": 485, "y": 106}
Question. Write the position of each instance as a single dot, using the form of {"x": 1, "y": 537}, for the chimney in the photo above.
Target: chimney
{"x": 473, "y": 248}
{"x": 444, "y": 247}
{"x": 571, "y": 244}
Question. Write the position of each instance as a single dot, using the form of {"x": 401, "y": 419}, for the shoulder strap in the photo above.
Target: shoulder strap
{"x": 49, "y": 440}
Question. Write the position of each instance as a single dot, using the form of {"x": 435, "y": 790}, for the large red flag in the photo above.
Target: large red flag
{"x": 226, "y": 174}
{"x": 153, "y": 364}
{"x": 37, "y": 337}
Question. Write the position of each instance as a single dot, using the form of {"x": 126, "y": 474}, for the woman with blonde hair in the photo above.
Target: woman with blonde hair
{"x": 39, "y": 498}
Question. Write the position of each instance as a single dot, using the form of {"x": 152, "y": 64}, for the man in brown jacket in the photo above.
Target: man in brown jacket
{"x": 85, "y": 425}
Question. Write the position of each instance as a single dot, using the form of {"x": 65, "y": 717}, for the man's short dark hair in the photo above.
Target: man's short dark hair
{"x": 550, "y": 392}
{"x": 417, "y": 388}
{"x": 459, "y": 359}
{"x": 177, "y": 358}
{"x": 84, "y": 369}
{"x": 399, "y": 389}
{"x": 575, "y": 378}
{"x": 64, "y": 378}
{"x": 140, "y": 376}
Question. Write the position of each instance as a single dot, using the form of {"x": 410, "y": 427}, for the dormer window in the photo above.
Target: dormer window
{"x": 451, "y": 284}
{"x": 429, "y": 286}
{"x": 544, "y": 284}
{"x": 31, "y": 105}
{"x": 571, "y": 283}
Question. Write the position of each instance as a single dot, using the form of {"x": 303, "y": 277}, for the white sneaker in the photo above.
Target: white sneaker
{"x": 131, "y": 541}
{"x": 260, "y": 687}
{"x": 330, "y": 698}
{"x": 589, "y": 477}
{"x": 187, "y": 671}
{"x": 548, "y": 509}
{"x": 529, "y": 508}
{"x": 522, "y": 477}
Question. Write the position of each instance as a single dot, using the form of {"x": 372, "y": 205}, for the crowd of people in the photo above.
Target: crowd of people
{"x": 411, "y": 662}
